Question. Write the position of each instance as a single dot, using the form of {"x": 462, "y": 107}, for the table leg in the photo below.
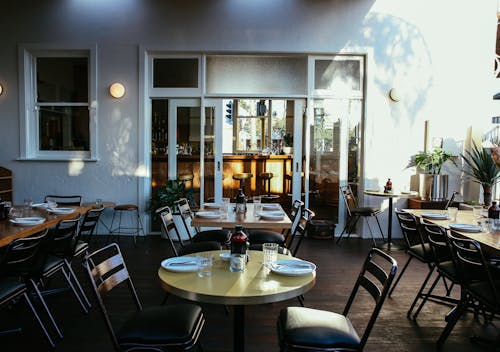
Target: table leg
{"x": 389, "y": 246}
{"x": 239, "y": 328}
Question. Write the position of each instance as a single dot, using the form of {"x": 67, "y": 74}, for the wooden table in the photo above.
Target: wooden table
{"x": 490, "y": 241}
{"x": 9, "y": 231}
{"x": 256, "y": 285}
{"x": 390, "y": 195}
{"x": 248, "y": 220}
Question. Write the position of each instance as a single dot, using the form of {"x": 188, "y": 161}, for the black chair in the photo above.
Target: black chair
{"x": 481, "y": 287}
{"x": 64, "y": 200}
{"x": 17, "y": 264}
{"x": 442, "y": 263}
{"x": 416, "y": 246}
{"x": 306, "y": 329}
{"x": 221, "y": 236}
{"x": 88, "y": 225}
{"x": 166, "y": 328}
{"x": 60, "y": 250}
{"x": 355, "y": 213}
{"x": 170, "y": 228}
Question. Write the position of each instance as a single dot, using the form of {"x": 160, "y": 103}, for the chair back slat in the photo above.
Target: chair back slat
{"x": 89, "y": 221}
{"x": 186, "y": 215}
{"x": 114, "y": 280}
{"x": 300, "y": 231}
{"x": 64, "y": 239}
{"x": 64, "y": 200}
{"x": 409, "y": 227}
{"x": 369, "y": 286}
{"x": 437, "y": 239}
{"x": 377, "y": 271}
{"x": 169, "y": 226}
{"x": 349, "y": 199}
{"x": 21, "y": 254}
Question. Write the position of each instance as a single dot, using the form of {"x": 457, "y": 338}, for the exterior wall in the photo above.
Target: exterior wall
{"x": 439, "y": 54}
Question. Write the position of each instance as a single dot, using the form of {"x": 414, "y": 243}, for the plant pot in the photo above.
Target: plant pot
{"x": 433, "y": 187}
{"x": 287, "y": 150}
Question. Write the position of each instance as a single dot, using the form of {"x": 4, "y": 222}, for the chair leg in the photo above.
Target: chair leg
{"x": 348, "y": 227}
{"x": 371, "y": 232}
{"x": 422, "y": 287}
{"x": 380, "y": 228}
{"x": 67, "y": 276}
{"x": 77, "y": 282}
{"x": 452, "y": 317}
{"x": 47, "y": 311}
{"x": 400, "y": 275}
{"x": 426, "y": 296}
{"x": 37, "y": 317}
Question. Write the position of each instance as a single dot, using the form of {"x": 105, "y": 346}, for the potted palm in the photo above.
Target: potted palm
{"x": 433, "y": 185}
{"x": 481, "y": 168}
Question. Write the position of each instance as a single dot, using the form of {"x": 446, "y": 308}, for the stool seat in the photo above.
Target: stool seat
{"x": 242, "y": 176}
{"x": 266, "y": 175}
{"x": 185, "y": 177}
{"x": 126, "y": 207}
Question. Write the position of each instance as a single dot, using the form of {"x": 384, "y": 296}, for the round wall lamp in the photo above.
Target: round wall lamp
{"x": 117, "y": 90}
{"x": 1, "y": 89}
{"x": 394, "y": 95}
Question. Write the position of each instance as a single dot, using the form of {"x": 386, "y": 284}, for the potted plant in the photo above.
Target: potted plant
{"x": 287, "y": 143}
{"x": 432, "y": 184}
{"x": 482, "y": 169}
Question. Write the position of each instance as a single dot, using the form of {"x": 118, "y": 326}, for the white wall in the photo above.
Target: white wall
{"x": 439, "y": 54}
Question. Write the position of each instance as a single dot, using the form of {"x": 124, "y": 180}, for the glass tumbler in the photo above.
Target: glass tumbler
{"x": 270, "y": 252}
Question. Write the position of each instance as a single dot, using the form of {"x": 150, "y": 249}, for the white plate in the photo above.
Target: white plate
{"x": 435, "y": 216}
{"x": 226, "y": 256}
{"x": 181, "y": 264}
{"x": 211, "y": 206}
{"x": 28, "y": 221}
{"x": 44, "y": 205}
{"x": 408, "y": 192}
{"x": 272, "y": 215}
{"x": 61, "y": 210}
{"x": 290, "y": 267}
{"x": 270, "y": 206}
{"x": 208, "y": 214}
{"x": 465, "y": 227}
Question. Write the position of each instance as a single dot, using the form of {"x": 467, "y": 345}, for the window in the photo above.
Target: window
{"x": 174, "y": 75}
{"x": 57, "y": 89}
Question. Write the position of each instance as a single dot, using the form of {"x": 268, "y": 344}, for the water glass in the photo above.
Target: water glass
{"x": 28, "y": 203}
{"x": 224, "y": 209}
{"x": 257, "y": 207}
{"x": 452, "y": 214}
{"x": 486, "y": 225}
{"x": 237, "y": 262}
{"x": 477, "y": 211}
{"x": 205, "y": 263}
{"x": 270, "y": 251}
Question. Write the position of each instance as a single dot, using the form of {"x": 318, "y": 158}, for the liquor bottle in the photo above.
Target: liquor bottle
{"x": 494, "y": 211}
{"x": 239, "y": 246}
{"x": 241, "y": 201}
{"x": 388, "y": 186}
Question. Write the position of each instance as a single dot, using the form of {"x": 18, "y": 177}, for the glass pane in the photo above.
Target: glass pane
{"x": 209, "y": 167}
{"x": 337, "y": 75}
{"x": 62, "y": 79}
{"x": 175, "y": 73}
{"x": 64, "y": 128}
{"x": 259, "y": 75}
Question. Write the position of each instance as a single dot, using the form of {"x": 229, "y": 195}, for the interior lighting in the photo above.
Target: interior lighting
{"x": 117, "y": 90}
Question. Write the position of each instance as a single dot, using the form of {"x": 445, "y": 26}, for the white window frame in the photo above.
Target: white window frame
{"x": 28, "y": 124}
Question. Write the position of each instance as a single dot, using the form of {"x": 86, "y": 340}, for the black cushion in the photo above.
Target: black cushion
{"x": 365, "y": 211}
{"x": 423, "y": 254}
{"x": 221, "y": 236}
{"x": 81, "y": 247}
{"x": 52, "y": 264}
{"x": 200, "y": 247}
{"x": 161, "y": 325}
{"x": 447, "y": 268}
{"x": 10, "y": 287}
{"x": 265, "y": 236}
{"x": 316, "y": 329}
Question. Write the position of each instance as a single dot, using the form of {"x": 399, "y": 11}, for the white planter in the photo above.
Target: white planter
{"x": 433, "y": 187}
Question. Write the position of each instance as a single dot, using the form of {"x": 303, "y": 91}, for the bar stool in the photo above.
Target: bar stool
{"x": 266, "y": 177}
{"x": 242, "y": 177}
{"x": 133, "y": 211}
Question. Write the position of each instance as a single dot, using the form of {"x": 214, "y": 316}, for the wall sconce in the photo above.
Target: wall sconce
{"x": 117, "y": 90}
{"x": 1, "y": 89}
{"x": 394, "y": 95}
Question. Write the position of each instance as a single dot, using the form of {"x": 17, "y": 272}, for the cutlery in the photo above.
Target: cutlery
{"x": 298, "y": 265}
{"x": 191, "y": 262}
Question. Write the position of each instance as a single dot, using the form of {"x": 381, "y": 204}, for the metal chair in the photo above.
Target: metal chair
{"x": 355, "y": 213}
{"x": 64, "y": 200}
{"x": 169, "y": 228}
{"x": 165, "y": 328}
{"x": 306, "y": 329}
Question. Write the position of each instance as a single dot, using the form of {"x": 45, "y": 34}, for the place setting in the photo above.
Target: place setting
{"x": 287, "y": 267}
{"x": 181, "y": 264}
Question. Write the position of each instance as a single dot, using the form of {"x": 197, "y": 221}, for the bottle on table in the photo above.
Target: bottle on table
{"x": 494, "y": 211}
{"x": 388, "y": 186}
{"x": 239, "y": 247}
{"x": 241, "y": 200}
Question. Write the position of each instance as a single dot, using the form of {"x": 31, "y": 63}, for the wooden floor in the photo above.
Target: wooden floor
{"x": 338, "y": 267}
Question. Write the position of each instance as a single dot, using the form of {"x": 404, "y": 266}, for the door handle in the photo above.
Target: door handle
{"x": 218, "y": 166}
{"x": 296, "y": 167}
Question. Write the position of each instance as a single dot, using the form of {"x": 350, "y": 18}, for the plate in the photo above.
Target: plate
{"x": 270, "y": 206}
{"x": 44, "y": 205}
{"x": 272, "y": 215}
{"x": 28, "y": 221}
{"x": 181, "y": 264}
{"x": 211, "y": 206}
{"x": 465, "y": 227}
{"x": 408, "y": 192}
{"x": 61, "y": 210}
{"x": 226, "y": 256}
{"x": 435, "y": 216}
{"x": 208, "y": 214}
{"x": 290, "y": 267}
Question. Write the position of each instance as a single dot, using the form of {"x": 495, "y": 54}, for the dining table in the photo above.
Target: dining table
{"x": 9, "y": 231}
{"x": 489, "y": 240}
{"x": 389, "y": 245}
{"x": 257, "y": 284}
{"x": 249, "y": 219}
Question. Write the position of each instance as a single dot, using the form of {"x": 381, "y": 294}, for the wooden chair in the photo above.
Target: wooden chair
{"x": 306, "y": 329}
{"x": 166, "y": 328}
{"x": 355, "y": 213}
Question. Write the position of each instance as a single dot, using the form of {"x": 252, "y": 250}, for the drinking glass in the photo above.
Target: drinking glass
{"x": 28, "y": 203}
{"x": 452, "y": 214}
{"x": 486, "y": 225}
{"x": 224, "y": 209}
{"x": 205, "y": 262}
{"x": 477, "y": 211}
{"x": 270, "y": 251}
{"x": 257, "y": 207}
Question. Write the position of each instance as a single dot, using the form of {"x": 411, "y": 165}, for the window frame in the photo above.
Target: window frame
{"x": 28, "y": 105}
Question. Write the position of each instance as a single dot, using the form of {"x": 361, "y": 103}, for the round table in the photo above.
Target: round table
{"x": 256, "y": 285}
{"x": 390, "y": 195}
